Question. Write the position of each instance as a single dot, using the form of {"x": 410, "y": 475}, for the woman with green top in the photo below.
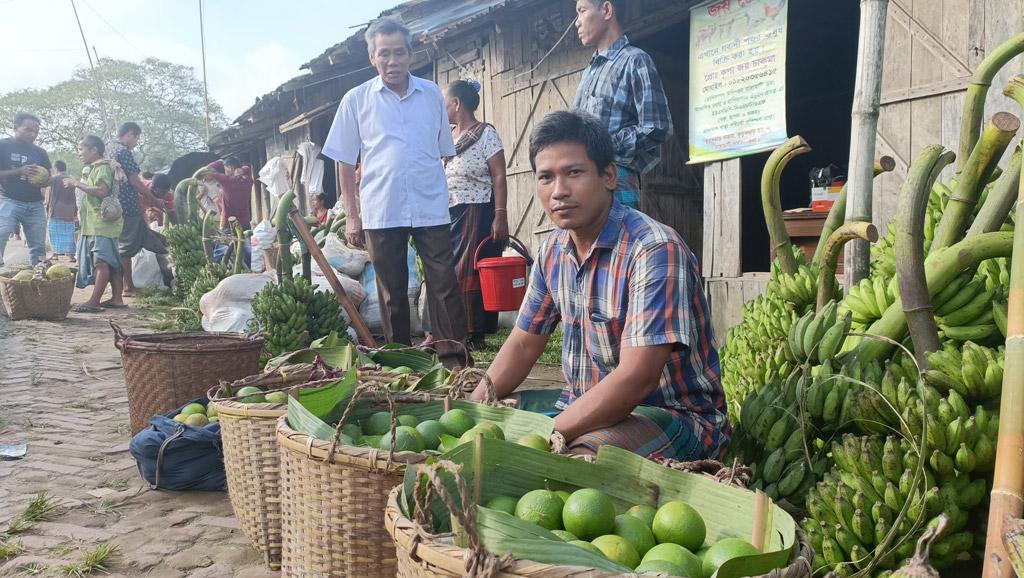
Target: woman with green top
{"x": 98, "y": 259}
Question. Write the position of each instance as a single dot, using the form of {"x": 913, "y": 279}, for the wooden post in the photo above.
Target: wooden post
{"x": 866, "y": 97}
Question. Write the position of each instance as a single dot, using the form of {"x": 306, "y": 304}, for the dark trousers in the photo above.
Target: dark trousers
{"x": 388, "y": 253}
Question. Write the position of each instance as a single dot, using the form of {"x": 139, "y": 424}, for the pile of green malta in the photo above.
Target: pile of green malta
{"x": 198, "y": 415}
{"x": 53, "y": 273}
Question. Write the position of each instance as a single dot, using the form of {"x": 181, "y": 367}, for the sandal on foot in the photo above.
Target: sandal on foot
{"x": 108, "y": 305}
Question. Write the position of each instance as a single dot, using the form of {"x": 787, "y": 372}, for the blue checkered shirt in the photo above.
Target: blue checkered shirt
{"x": 640, "y": 286}
{"x": 621, "y": 87}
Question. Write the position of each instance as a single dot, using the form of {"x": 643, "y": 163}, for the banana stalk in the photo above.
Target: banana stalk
{"x": 909, "y": 249}
{"x": 940, "y": 270}
{"x": 977, "y": 90}
{"x": 184, "y": 201}
{"x": 1013, "y": 541}
{"x": 837, "y": 214}
{"x": 1000, "y": 199}
{"x": 236, "y": 228}
{"x": 973, "y": 177}
{"x": 284, "y": 235}
{"x": 771, "y": 200}
{"x": 1008, "y": 481}
{"x": 834, "y": 248}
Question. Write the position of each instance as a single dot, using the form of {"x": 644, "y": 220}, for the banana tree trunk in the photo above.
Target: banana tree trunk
{"x": 1008, "y": 481}
{"x": 830, "y": 256}
{"x": 909, "y": 249}
{"x": 771, "y": 200}
{"x": 977, "y": 90}
{"x": 973, "y": 177}
{"x": 837, "y": 214}
{"x": 940, "y": 269}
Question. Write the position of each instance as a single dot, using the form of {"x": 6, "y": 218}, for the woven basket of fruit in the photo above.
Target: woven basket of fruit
{"x": 162, "y": 371}
{"x": 30, "y": 294}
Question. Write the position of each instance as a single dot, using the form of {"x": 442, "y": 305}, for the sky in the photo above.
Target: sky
{"x": 252, "y": 46}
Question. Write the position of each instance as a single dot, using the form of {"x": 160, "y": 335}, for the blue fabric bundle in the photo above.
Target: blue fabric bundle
{"x": 173, "y": 456}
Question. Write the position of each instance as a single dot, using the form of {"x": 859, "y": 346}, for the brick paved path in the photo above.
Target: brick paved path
{"x": 62, "y": 391}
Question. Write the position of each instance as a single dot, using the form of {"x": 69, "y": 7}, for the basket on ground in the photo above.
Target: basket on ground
{"x": 333, "y": 498}
{"x": 623, "y": 476}
{"x": 162, "y": 371}
{"x": 49, "y": 300}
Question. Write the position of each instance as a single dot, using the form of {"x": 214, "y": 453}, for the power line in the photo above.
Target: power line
{"x": 206, "y": 89}
{"x": 116, "y": 31}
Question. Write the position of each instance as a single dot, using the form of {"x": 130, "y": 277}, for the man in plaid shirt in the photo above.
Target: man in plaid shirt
{"x": 621, "y": 87}
{"x": 638, "y": 351}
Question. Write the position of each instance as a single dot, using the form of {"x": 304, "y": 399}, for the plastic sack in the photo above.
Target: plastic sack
{"x": 345, "y": 259}
{"x": 146, "y": 272}
{"x": 174, "y": 456}
{"x": 370, "y": 309}
{"x": 229, "y": 306}
{"x": 263, "y": 236}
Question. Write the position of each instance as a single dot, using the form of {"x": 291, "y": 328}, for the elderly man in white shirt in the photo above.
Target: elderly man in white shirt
{"x": 397, "y": 123}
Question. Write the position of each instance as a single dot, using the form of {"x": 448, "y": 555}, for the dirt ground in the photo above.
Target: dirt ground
{"x": 62, "y": 391}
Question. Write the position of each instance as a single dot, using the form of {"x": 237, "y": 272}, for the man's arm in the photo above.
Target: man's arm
{"x": 618, "y": 394}
{"x": 144, "y": 190}
{"x": 353, "y": 220}
{"x": 513, "y": 363}
{"x": 654, "y": 121}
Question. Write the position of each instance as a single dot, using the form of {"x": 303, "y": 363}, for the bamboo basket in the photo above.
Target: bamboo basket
{"x": 163, "y": 371}
{"x": 333, "y": 499}
{"x": 252, "y": 459}
{"x": 46, "y": 300}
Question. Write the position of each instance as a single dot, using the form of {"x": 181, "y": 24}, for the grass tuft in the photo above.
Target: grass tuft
{"x": 40, "y": 508}
{"x": 10, "y": 549}
{"x": 94, "y": 560}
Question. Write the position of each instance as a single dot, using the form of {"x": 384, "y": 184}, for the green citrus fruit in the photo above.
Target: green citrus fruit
{"x": 24, "y": 275}
{"x": 353, "y": 432}
{"x": 197, "y": 420}
{"x": 409, "y": 420}
{"x": 58, "y": 271}
{"x": 407, "y": 439}
{"x": 563, "y": 494}
{"x": 724, "y": 550}
{"x": 701, "y": 553}
{"x": 588, "y": 547}
{"x": 447, "y": 443}
{"x": 505, "y": 504}
{"x": 542, "y": 507}
{"x": 588, "y": 514}
{"x": 431, "y": 430}
{"x": 215, "y": 419}
{"x": 635, "y": 531}
{"x": 662, "y": 567}
{"x": 565, "y": 536}
{"x": 644, "y": 512}
{"x": 617, "y": 549}
{"x": 377, "y": 424}
{"x": 488, "y": 430}
{"x": 251, "y": 394}
{"x": 193, "y": 408}
{"x": 457, "y": 422}
{"x": 370, "y": 441}
{"x": 276, "y": 398}
{"x": 180, "y": 418}
{"x": 677, "y": 556}
{"x": 535, "y": 441}
{"x": 679, "y": 523}
{"x": 211, "y": 411}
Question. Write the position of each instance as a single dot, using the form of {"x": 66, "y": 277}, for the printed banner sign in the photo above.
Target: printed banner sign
{"x": 737, "y": 78}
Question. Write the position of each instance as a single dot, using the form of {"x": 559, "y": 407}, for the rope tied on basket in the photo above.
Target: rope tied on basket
{"x": 736, "y": 475}
{"x": 362, "y": 389}
{"x": 466, "y": 381}
{"x": 478, "y": 562}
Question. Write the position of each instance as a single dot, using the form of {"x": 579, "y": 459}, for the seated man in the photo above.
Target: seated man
{"x": 638, "y": 351}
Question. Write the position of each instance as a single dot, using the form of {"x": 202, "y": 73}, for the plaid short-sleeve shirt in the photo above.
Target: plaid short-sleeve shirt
{"x": 639, "y": 286}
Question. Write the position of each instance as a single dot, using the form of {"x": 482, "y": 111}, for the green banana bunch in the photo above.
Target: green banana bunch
{"x": 185, "y": 243}
{"x": 209, "y": 276}
{"x": 279, "y": 310}
{"x": 974, "y": 371}
{"x": 324, "y": 315}
{"x": 869, "y": 299}
{"x": 817, "y": 337}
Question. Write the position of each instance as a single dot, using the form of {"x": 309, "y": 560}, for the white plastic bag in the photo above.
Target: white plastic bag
{"x": 229, "y": 306}
{"x": 370, "y": 309}
{"x": 146, "y": 271}
{"x": 352, "y": 287}
{"x": 275, "y": 175}
{"x": 263, "y": 235}
{"x": 345, "y": 259}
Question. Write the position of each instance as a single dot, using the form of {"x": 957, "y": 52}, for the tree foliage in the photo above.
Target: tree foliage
{"x": 166, "y": 99}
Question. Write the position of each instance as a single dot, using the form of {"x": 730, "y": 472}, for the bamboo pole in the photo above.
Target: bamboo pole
{"x": 974, "y": 176}
{"x": 1000, "y": 199}
{"x": 909, "y": 249}
{"x": 771, "y": 200}
{"x": 837, "y": 215}
{"x": 830, "y": 255}
{"x": 866, "y": 101}
{"x": 940, "y": 269}
{"x": 977, "y": 91}
{"x": 1008, "y": 481}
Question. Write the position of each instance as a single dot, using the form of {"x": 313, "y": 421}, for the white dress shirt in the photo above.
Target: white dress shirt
{"x": 402, "y": 140}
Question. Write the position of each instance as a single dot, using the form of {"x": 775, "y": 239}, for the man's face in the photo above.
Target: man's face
{"x": 391, "y": 58}
{"x": 590, "y": 21}
{"x": 231, "y": 170}
{"x": 130, "y": 140}
{"x": 86, "y": 153}
{"x": 572, "y": 191}
{"x": 27, "y": 131}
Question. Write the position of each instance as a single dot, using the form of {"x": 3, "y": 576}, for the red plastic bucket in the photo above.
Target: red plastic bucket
{"x": 503, "y": 279}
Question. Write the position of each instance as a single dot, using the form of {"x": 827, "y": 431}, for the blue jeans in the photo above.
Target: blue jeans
{"x": 222, "y": 251}
{"x": 32, "y": 217}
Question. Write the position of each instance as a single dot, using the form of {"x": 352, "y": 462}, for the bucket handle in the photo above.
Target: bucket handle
{"x": 513, "y": 242}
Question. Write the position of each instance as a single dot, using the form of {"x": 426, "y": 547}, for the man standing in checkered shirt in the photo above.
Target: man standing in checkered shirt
{"x": 621, "y": 87}
{"x": 638, "y": 351}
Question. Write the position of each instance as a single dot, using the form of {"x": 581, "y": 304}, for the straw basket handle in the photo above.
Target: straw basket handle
{"x": 480, "y": 563}
{"x": 360, "y": 390}
{"x": 120, "y": 337}
{"x": 515, "y": 244}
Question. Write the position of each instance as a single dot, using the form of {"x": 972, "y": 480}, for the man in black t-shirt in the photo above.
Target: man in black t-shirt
{"x": 21, "y": 202}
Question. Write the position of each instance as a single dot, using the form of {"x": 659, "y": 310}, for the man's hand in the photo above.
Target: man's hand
{"x": 354, "y": 232}
{"x": 28, "y": 171}
{"x": 499, "y": 228}
{"x": 69, "y": 182}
